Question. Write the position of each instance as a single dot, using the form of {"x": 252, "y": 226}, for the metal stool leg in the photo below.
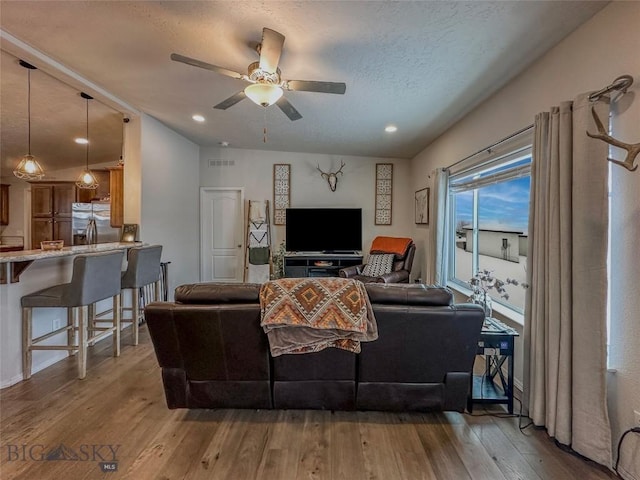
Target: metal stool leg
{"x": 82, "y": 343}
{"x": 26, "y": 343}
{"x": 116, "y": 325}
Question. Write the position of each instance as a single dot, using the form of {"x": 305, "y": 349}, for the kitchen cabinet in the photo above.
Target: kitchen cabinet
{"x": 52, "y": 199}
{"x": 116, "y": 187}
{"x": 51, "y": 212}
{"x": 4, "y": 204}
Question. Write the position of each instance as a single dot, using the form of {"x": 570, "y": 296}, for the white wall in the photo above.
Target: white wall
{"x": 253, "y": 169}
{"x": 169, "y": 199}
{"x": 132, "y": 194}
{"x": 603, "y": 48}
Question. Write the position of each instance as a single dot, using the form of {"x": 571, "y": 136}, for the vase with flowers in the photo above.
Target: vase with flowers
{"x": 482, "y": 282}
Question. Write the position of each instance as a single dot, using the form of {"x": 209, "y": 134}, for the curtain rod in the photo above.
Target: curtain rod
{"x": 485, "y": 149}
{"x": 621, "y": 83}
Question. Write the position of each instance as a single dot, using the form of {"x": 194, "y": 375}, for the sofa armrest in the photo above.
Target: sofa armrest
{"x": 160, "y": 323}
{"x": 399, "y": 276}
{"x": 351, "y": 271}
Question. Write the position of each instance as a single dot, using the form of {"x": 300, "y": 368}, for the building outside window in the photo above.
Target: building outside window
{"x": 488, "y": 224}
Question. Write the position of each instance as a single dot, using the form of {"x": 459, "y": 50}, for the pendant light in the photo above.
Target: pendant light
{"x": 28, "y": 168}
{"x": 87, "y": 180}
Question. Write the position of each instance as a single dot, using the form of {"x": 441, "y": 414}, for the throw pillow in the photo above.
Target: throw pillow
{"x": 378, "y": 264}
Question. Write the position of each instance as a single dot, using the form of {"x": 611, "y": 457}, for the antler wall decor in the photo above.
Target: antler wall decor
{"x": 633, "y": 149}
{"x": 332, "y": 178}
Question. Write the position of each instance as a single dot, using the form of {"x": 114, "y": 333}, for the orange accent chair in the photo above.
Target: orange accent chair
{"x": 398, "y": 266}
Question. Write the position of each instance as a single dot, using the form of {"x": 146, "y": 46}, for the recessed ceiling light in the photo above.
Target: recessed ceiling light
{"x": 224, "y": 144}
{"x": 390, "y": 128}
{"x": 81, "y": 141}
{"x": 198, "y": 118}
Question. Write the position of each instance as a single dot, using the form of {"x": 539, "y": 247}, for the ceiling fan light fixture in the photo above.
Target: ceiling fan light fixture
{"x": 87, "y": 180}
{"x": 263, "y": 94}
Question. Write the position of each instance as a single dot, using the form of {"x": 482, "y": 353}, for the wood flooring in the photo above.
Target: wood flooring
{"x": 120, "y": 408}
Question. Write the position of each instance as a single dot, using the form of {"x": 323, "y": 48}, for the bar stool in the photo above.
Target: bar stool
{"x": 95, "y": 277}
{"x": 143, "y": 269}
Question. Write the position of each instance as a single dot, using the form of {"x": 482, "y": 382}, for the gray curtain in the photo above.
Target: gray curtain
{"x": 437, "y": 251}
{"x": 565, "y": 322}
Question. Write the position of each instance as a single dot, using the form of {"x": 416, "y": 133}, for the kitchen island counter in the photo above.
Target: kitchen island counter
{"x": 12, "y": 264}
{"x": 30, "y": 255}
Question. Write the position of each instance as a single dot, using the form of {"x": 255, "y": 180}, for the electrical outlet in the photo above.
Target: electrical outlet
{"x": 636, "y": 416}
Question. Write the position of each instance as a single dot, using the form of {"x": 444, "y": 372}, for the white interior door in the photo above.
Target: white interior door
{"x": 221, "y": 220}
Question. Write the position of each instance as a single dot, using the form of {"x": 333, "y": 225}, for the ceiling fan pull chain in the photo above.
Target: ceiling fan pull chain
{"x": 264, "y": 130}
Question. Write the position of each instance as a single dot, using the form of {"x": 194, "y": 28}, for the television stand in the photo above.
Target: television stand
{"x": 314, "y": 264}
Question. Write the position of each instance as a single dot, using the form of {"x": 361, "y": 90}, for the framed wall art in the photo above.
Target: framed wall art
{"x": 422, "y": 207}
{"x": 129, "y": 232}
{"x": 384, "y": 193}
{"x": 281, "y": 192}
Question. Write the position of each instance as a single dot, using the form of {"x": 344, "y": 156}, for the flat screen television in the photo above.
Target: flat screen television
{"x": 329, "y": 230}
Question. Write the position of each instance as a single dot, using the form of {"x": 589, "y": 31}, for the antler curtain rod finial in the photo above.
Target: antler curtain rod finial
{"x": 633, "y": 150}
{"x": 622, "y": 83}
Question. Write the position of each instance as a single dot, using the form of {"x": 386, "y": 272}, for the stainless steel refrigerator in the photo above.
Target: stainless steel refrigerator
{"x": 100, "y": 212}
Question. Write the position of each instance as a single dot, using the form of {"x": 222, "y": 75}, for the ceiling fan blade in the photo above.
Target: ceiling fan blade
{"x": 198, "y": 63}
{"x": 270, "y": 50}
{"x": 321, "y": 87}
{"x": 231, "y": 101}
{"x": 288, "y": 109}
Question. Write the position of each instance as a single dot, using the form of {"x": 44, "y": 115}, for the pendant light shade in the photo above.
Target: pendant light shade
{"x": 28, "y": 168}
{"x": 86, "y": 180}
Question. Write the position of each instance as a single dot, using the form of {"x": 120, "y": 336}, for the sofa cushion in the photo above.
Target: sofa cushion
{"x": 409, "y": 294}
{"x": 378, "y": 264}
{"x": 217, "y": 293}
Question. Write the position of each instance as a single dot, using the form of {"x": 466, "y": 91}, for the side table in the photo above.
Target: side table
{"x": 497, "y": 345}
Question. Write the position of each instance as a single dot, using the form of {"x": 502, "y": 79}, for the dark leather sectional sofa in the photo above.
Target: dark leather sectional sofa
{"x": 214, "y": 354}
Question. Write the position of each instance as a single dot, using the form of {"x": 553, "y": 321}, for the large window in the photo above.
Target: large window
{"x": 488, "y": 225}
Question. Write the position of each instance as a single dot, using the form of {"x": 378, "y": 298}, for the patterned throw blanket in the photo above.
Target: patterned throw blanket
{"x": 302, "y": 315}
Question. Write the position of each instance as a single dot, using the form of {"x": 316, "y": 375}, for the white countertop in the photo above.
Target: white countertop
{"x": 30, "y": 255}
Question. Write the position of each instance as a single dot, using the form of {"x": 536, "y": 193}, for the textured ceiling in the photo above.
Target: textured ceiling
{"x": 418, "y": 65}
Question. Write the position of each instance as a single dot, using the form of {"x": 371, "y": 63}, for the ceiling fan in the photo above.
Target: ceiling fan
{"x": 267, "y": 85}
